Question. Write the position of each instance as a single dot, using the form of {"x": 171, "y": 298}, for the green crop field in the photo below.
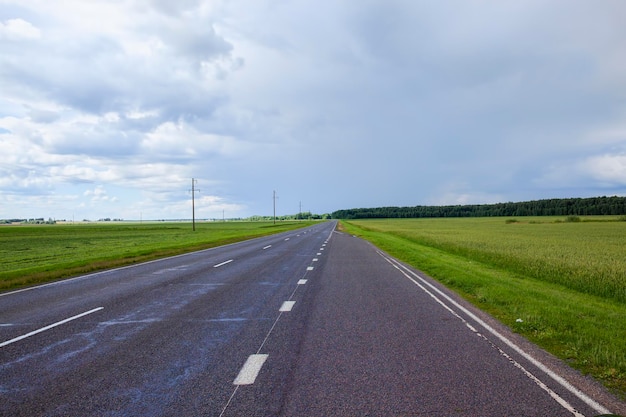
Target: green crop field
{"x": 560, "y": 283}
{"x": 33, "y": 254}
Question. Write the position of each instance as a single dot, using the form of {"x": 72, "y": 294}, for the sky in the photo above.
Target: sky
{"x": 109, "y": 108}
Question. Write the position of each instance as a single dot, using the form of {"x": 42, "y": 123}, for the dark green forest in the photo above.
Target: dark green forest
{"x": 552, "y": 207}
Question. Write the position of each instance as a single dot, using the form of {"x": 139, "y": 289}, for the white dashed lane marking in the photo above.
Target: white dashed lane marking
{"x": 250, "y": 369}
{"x": 43, "y": 329}
{"x": 223, "y": 263}
{"x": 287, "y": 306}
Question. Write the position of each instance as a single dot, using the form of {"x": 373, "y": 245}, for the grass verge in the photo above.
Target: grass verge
{"x": 587, "y": 331}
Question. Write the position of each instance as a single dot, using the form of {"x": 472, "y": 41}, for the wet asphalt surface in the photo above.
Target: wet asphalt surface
{"x": 356, "y": 338}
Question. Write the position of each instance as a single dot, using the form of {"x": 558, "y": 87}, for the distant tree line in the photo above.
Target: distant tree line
{"x": 550, "y": 207}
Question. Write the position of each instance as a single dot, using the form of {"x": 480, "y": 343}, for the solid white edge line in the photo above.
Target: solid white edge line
{"x": 287, "y": 306}
{"x": 223, "y": 263}
{"x": 250, "y": 370}
{"x": 564, "y": 383}
{"x": 43, "y": 329}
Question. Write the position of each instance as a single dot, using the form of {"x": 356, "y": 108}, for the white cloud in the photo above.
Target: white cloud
{"x": 99, "y": 194}
{"x": 18, "y": 29}
{"x": 181, "y": 141}
{"x": 606, "y": 169}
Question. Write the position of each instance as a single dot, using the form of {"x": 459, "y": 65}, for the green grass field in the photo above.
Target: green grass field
{"x": 39, "y": 253}
{"x": 566, "y": 281}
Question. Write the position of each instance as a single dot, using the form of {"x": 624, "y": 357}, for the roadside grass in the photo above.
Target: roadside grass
{"x": 33, "y": 254}
{"x": 540, "y": 271}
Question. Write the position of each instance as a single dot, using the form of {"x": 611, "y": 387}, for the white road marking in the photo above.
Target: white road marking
{"x": 250, "y": 370}
{"x": 287, "y": 306}
{"x": 286, "y": 239}
{"x": 302, "y": 282}
{"x": 267, "y": 247}
{"x": 176, "y": 268}
{"x": 223, "y": 263}
{"x": 310, "y": 268}
{"x": 43, "y": 329}
{"x": 315, "y": 259}
{"x": 564, "y": 383}
{"x": 319, "y": 253}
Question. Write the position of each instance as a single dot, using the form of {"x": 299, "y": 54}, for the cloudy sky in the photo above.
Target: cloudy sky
{"x": 108, "y": 108}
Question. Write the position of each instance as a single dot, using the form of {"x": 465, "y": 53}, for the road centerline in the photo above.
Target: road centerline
{"x": 250, "y": 370}
{"x": 287, "y": 306}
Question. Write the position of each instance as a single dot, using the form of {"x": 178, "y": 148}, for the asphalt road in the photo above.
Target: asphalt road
{"x": 307, "y": 323}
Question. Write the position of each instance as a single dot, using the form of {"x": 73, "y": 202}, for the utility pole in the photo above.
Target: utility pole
{"x": 274, "y": 206}
{"x": 193, "y": 203}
